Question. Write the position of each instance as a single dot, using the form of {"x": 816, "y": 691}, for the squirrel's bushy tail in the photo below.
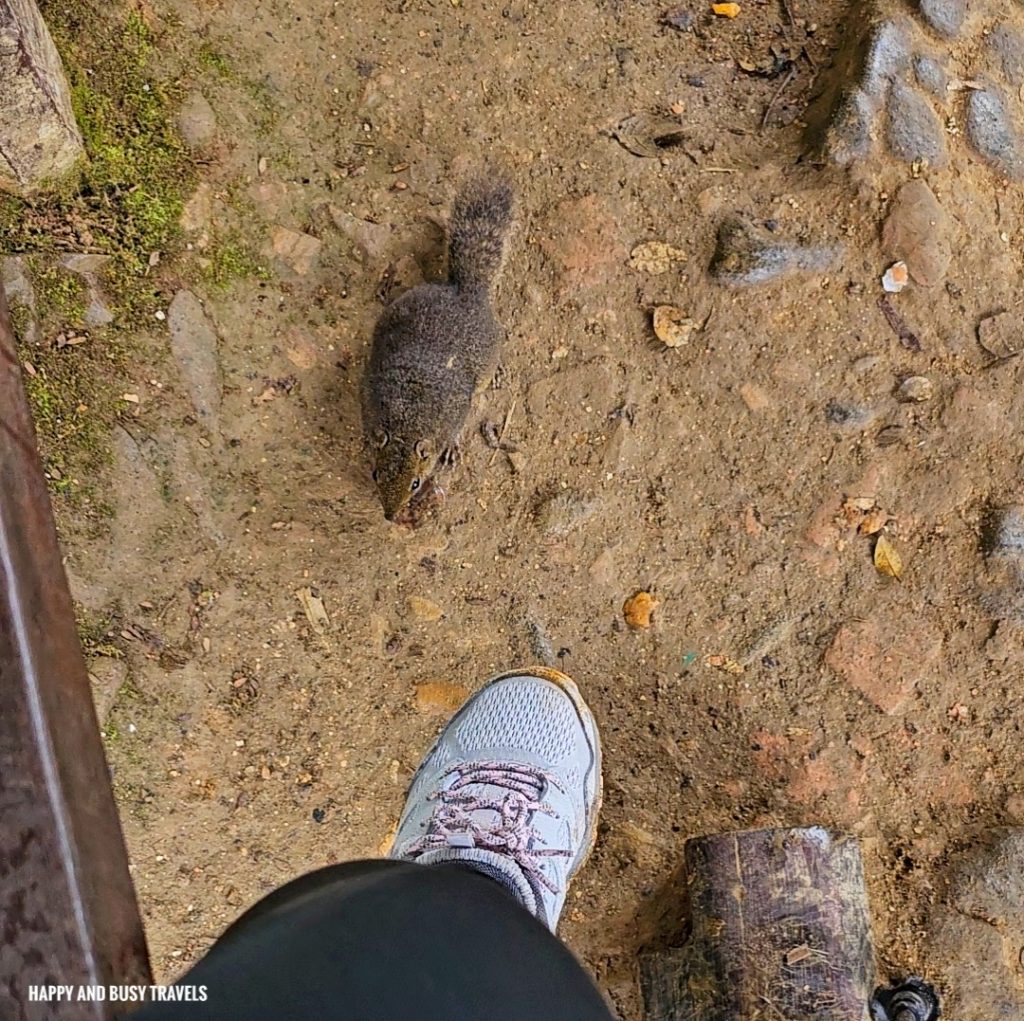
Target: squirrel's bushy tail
{"x": 479, "y": 227}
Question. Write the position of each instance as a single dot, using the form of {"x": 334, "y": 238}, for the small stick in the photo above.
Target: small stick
{"x": 504, "y": 431}
{"x": 907, "y": 337}
{"x": 790, "y": 75}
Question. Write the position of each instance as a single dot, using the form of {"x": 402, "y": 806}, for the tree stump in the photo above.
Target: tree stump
{"x": 39, "y": 139}
{"x": 778, "y": 929}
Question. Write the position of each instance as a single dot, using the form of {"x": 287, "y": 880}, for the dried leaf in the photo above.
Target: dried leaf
{"x": 887, "y": 560}
{"x": 672, "y": 326}
{"x": 440, "y": 697}
{"x": 313, "y": 606}
{"x": 424, "y": 609}
{"x": 873, "y": 522}
{"x": 637, "y": 610}
{"x": 648, "y": 135}
{"x": 726, "y": 663}
{"x": 958, "y": 713}
{"x": 861, "y": 503}
{"x": 275, "y": 387}
{"x": 726, "y": 10}
{"x": 1000, "y": 335}
{"x": 655, "y": 257}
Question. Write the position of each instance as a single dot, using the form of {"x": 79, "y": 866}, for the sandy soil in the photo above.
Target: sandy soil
{"x": 785, "y": 680}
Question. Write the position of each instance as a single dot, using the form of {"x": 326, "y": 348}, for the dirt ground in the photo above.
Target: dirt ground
{"x": 785, "y": 679}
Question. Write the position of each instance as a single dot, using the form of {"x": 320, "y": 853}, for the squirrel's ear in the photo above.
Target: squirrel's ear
{"x": 424, "y": 448}
{"x": 380, "y": 438}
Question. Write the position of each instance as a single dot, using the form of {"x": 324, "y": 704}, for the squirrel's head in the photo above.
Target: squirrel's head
{"x": 401, "y": 471}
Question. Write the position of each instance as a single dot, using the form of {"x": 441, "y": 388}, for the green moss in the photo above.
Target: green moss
{"x": 232, "y": 259}
{"x": 21, "y": 319}
{"x": 95, "y": 631}
{"x": 73, "y": 395}
{"x": 124, "y": 201}
{"x": 61, "y": 296}
{"x": 127, "y": 198}
{"x": 214, "y": 60}
{"x": 266, "y": 109}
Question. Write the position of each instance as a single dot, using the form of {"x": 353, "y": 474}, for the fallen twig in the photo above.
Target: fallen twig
{"x": 790, "y": 75}
{"x": 907, "y": 337}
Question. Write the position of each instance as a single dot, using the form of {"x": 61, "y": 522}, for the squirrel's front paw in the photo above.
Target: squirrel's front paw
{"x": 450, "y": 456}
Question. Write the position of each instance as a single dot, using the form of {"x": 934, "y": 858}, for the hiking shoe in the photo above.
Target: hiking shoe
{"x": 511, "y": 789}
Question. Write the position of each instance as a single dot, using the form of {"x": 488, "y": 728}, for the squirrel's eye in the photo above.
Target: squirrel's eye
{"x": 374, "y": 474}
{"x": 415, "y": 484}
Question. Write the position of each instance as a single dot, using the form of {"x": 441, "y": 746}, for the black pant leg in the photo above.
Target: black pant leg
{"x": 387, "y": 941}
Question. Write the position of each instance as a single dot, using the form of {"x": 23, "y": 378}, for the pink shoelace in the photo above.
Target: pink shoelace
{"x": 453, "y": 825}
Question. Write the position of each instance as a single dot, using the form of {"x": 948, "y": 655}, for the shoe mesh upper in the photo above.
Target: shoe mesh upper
{"x": 537, "y": 718}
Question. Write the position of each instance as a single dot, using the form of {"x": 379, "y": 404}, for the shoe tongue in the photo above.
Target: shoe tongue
{"x": 490, "y": 797}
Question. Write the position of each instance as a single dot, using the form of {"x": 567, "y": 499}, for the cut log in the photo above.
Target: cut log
{"x": 39, "y": 139}
{"x": 778, "y": 929}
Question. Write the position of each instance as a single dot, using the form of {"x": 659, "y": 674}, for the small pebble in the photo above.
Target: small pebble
{"x": 848, "y": 416}
{"x": 865, "y": 364}
{"x": 895, "y": 278}
{"x": 915, "y": 390}
{"x": 679, "y": 18}
{"x": 160, "y": 314}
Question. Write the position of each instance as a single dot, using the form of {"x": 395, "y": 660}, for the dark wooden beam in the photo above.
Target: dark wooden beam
{"x": 778, "y": 931}
{"x": 68, "y": 914}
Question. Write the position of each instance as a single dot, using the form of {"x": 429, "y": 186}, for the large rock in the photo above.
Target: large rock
{"x": 1001, "y": 581}
{"x": 887, "y": 95}
{"x": 197, "y": 122}
{"x": 194, "y": 345}
{"x": 992, "y": 131}
{"x": 39, "y": 139}
{"x": 917, "y": 231}
{"x": 975, "y": 937}
{"x": 748, "y": 254}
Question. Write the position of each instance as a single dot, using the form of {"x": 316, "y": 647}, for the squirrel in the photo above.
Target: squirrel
{"x": 433, "y": 348}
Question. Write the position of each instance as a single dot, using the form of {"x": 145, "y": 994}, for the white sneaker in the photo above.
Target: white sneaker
{"x": 511, "y": 789}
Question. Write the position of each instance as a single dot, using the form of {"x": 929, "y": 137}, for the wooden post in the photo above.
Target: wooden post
{"x": 39, "y": 139}
{"x": 778, "y": 931}
{"x": 68, "y": 914}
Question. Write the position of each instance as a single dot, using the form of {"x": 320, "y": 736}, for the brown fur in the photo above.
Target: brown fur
{"x": 433, "y": 347}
